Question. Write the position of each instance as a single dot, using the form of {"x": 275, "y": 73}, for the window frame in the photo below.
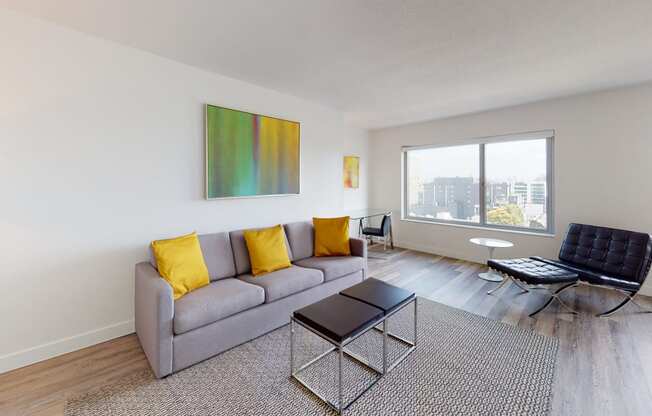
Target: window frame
{"x": 547, "y": 135}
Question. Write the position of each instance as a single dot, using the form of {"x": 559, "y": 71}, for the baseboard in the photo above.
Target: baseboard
{"x": 52, "y": 349}
{"x": 436, "y": 250}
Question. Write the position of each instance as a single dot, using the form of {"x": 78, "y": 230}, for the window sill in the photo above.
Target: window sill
{"x": 479, "y": 227}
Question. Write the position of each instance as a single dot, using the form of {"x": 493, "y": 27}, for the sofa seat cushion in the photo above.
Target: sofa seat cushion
{"x": 213, "y": 302}
{"x": 285, "y": 282}
{"x": 333, "y": 267}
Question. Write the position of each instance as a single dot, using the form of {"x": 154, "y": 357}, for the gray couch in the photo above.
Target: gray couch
{"x": 236, "y": 306}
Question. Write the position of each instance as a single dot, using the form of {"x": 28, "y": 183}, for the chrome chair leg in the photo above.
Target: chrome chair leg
{"x": 630, "y": 298}
{"x": 507, "y": 278}
{"x": 503, "y": 283}
{"x": 645, "y": 309}
{"x": 554, "y": 295}
{"x": 520, "y": 286}
{"x": 568, "y": 308}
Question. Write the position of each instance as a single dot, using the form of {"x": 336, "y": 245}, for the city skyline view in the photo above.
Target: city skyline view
{"x": 444, "y": 184}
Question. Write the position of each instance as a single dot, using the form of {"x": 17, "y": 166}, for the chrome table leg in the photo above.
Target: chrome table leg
{"x": 291, "y": 346}
{"x": 341, "y": 401}
{"x": 415, "y": 321}
{"x": 385, "y": 346}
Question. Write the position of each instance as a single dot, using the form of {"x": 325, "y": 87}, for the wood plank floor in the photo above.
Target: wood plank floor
{"x": 604, "y": 368}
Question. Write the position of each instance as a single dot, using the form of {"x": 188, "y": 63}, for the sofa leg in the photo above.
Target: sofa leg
{"x": 630, "y": 298}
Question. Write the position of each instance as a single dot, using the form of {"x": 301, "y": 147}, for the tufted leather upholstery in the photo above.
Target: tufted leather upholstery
{"x": 607, "y": 255}
{"x": 533, "y": 271}
{"x": 598, "y": 255}
{"x": 595, "y": 278}
{"x": 607, "y": 251}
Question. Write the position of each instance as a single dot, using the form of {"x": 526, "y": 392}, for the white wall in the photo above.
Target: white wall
{"x": 101, "y": 152}
{"x": 603, "y": 152}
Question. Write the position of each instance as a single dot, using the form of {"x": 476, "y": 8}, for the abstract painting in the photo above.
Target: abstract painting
{"x": 250, "y": 155}
{"x": 351, "y": 171}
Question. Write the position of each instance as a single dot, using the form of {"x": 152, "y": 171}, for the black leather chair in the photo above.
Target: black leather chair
{"x": 607, "y": 257}
{"x": 384, "y": 232}
{"x": 538, "y": 273}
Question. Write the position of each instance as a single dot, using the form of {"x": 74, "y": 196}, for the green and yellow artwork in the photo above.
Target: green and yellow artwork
{"x": 249, "y": 154}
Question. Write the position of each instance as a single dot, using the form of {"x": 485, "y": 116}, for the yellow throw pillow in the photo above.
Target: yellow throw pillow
{"x": 331, "y": 236}
{"x": 267, "y": 250}
{"x": 181, "y": 263}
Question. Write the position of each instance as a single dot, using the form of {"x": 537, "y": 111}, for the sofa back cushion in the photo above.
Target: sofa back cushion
{"x": 301, "y": 236}
{"x": 218, "y": 256}
{"x": 241, "y": 253}
{"x": 619, "y": 253}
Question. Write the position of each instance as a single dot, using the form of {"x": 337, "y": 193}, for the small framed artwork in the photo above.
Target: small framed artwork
{"x": 351, "y": 172}
{"x": 250, "y": 155}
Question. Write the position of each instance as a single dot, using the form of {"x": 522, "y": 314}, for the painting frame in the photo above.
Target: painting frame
{"x": 207, "y": 194}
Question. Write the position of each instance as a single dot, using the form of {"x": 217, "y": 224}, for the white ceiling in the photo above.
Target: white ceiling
{"x": 386, "y": 62}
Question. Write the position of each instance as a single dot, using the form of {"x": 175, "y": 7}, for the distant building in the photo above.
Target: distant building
{"x": 497, "y": 194}
{"x": 538, "y": 193}
{"x": 459, "y": 198}
{"x": 520, "y": 189}
{"x": 450, "y": 196}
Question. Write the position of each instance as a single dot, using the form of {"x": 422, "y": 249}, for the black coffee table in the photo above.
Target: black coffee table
{"x": 340, "y": 319}
{"x": 390, "y": 299}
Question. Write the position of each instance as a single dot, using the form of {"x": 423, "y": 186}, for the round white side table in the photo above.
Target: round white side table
{"x": 491, "y": 244}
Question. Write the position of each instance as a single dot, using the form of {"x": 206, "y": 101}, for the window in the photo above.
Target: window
{"x": 501, "y": 182}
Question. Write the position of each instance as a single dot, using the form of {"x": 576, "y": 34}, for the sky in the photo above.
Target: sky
{"x": 523, "y": 160}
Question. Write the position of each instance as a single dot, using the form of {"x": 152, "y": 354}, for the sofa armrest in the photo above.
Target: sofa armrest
{"x": 359, "y": 249}
{"x": 154, "y": 308}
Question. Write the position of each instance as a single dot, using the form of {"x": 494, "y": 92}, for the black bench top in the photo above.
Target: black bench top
{"x": 532, "y": 271}
{"x": 379, "y": 294}
{"x": 338, "y": 317}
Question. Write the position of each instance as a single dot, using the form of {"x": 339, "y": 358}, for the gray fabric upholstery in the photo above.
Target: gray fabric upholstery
{"x": 229, "y": 312}
{"x": 301, "y": 236}
{"x": 154, "y": 311}
{"x": 214, "y": 302}
{"x": 207, "y": 341}
{"x": 241, "y": 254}
{"x": 358, "y": 247}
{"x": 218, "y": 256}
{"x": 333, "y": 267}
{"x": 285, "y": 282}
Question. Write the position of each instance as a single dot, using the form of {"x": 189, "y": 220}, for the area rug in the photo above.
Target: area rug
{"x": 464, "y": 364}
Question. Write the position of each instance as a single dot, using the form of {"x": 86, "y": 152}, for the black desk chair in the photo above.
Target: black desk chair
{"x": 384, "y": 232}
